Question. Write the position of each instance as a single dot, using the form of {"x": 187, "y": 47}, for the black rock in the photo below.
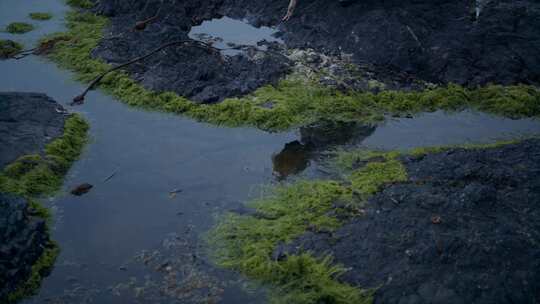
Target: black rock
{"x": 28, "y": 121}
{"x": 465, "y": 42}
{"x": 22, "y": 239}
{"x": 466, "y": 229}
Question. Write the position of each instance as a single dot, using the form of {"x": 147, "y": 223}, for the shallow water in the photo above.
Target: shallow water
{"x": 17, "y": 11}
{"x": 101, "y": 233}
{"x": 231, "y": 31}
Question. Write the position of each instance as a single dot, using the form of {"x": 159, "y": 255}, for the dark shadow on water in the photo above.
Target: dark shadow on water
{"x": 296, "y": 156}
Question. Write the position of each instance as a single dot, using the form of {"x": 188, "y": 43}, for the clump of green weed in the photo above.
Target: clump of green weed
{"x": 40, "y": 16}
{"x": 19, "y": 28}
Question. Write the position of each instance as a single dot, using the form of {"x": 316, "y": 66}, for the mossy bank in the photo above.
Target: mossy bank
{"x": 248, "y": 243}
{"x": 294, "y": 101}
{"x": 33, "y": 176}
{"x": 274, "y": 241}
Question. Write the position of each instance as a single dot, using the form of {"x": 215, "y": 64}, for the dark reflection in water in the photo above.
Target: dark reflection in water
{"x": 297, "y": 155}
{"x": 293, "y": 159}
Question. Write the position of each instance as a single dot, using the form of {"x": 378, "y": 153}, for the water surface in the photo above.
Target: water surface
{"x": 225, "y": 32}
{"x": 130, "y": 236}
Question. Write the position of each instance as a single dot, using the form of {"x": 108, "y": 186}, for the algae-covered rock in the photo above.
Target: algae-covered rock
{"x": 462, "y": 229}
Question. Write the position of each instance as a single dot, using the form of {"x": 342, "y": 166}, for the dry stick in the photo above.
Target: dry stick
{"x": 109, "y": 177}
{"x": 141, "y": 25}
{"x": 80, "y": 98}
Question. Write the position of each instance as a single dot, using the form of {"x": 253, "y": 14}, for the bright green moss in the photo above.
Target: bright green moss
{"x": 40, "y": 16}
{"x": 348, "y": 160}
{"x": 370, "y": 178}
{"x": 80, "y": 3}
{"x": 246, "y": 243}
{"x": 19, "y": 28}
{"x": 294, "y": 102}
{"x": 417, "y": 152}
{"x": 9, "y": 48}
{"x": 34, "y": 175}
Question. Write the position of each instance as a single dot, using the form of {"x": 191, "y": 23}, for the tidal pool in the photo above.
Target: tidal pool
{"x": 130, "y": 239}
{"x": 225, "y": 32}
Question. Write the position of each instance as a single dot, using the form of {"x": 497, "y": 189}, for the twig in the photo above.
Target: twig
{"x": 414, "y": 36}
{"x": 23, "y": 53}
{"x": 175, "y": 191}
{"x": 109, "y": 177}
{"x": 80, "y": 98}
{"x": 43, "y": 48}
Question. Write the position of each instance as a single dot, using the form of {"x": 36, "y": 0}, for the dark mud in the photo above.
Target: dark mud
{"x": 28, "y": 121}
{"x": 23, "y": 237}
{"x": 465, "y": 228}
{"x": 398, "y": 42}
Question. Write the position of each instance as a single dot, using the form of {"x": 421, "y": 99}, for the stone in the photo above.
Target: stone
{"x": 28, "y": 122}
{"x": 22, "y": 239}
{"x": 477, "y": 243}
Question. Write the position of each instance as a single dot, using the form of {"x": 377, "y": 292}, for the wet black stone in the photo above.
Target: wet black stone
{"x": 28, "y": 121}
{"x": 22, "y": 239}
{"x": 485, "y": 249}
{"x": 437, "y": 41}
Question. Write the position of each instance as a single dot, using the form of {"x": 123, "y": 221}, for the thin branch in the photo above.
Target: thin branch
{"x": 110, "y": 177}
{"x": 21, "y": 54}
{"x": 80, "y": 98}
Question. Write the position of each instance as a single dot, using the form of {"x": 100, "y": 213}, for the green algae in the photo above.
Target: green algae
{"x": 293, "y": 101}
{"x": 246, "y": 243}
{"x": 9, "y": 48}
{"x": 369, "y": 179}
{"x": 32, "y": 176}
{"x": 86, "y": 4}
{"x": 35, "y": 175}
{"x": 40, "y": 16}
{"x": 19, "y": 28}
{"x": 419, "y": 152}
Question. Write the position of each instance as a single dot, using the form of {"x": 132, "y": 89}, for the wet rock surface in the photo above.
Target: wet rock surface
{"x": 396, "y": 42}
{"x": 201, "y": 75}
{"x": 22, "y": 239}
{"x": 464, "y": 229}
{"x": 28, "y": 121}
{"x": 437, "y": 41}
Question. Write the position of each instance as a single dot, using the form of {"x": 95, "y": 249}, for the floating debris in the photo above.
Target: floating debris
{"x": 81, "y": 189}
